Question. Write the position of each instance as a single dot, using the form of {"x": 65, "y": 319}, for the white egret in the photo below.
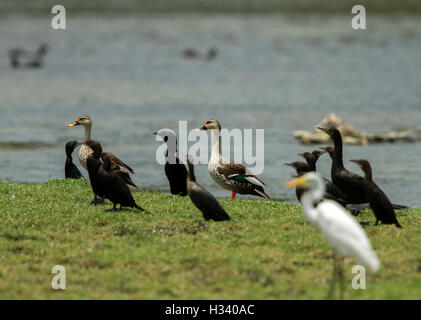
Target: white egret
{"x": 344, "y": 234}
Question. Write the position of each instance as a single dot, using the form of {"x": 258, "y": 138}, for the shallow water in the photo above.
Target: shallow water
{"x": 275, "y": 72}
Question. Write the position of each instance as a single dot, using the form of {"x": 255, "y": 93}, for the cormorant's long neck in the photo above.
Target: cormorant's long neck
{"x": 216, "y": 148}
{"x": 191, "y": 175}
{"x": 368, "y": 173}
{"x": 337, "y": 153}
{"x": 88, "y": 132}
{"x": 311, "y": 164}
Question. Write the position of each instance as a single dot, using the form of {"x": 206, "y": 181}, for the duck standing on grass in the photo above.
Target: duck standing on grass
{"x": 203, "y": 199}
{"x": 105, "y": 182}
{"x": 118, "y": 166}
{"x": 70, "y": 170}
{"x": 175, "y": 170}
{"x": 344, "y": 234}
{"x": 379, "y": 202}
{"x": 230, "y": 175}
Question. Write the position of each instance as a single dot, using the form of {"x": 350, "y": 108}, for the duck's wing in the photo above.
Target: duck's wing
{"x": 117, "y": 162}
{"x": 239, "y": 173}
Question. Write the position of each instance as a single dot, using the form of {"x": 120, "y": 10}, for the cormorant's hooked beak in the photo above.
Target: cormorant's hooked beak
{"x": 356, "y": 162}
{"x": 288, "y": 164}
{"x": 300, "y": 155}
{"x": 326, "y": 130}
{"x": 155, "y": 133}
{"x": 296, "y": 182}
{"x": 76, "y": 123}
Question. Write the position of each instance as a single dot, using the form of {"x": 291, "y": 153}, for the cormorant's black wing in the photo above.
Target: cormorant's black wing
{"x": 381, "y": 205}
{"x": 207, "y": 203}
{"x": 71, "y": 171}
{"x": 177, "y": 175}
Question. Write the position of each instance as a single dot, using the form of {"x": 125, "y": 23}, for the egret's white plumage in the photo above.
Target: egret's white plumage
{"x": 344, "y": 234}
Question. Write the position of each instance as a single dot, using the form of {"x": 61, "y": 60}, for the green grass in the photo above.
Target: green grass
{"x": 269, "y": 252}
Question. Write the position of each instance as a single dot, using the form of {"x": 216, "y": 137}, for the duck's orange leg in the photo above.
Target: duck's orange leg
{"x": 233, "y": 195}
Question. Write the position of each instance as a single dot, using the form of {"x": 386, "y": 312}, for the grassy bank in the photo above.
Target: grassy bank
{"x": 269, "y": 252}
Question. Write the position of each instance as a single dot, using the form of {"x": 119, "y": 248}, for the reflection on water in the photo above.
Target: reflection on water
{"x": 275, "y": 72}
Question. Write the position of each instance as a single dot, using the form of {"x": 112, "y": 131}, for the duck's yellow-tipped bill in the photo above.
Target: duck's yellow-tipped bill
{"x": 296, "y": 182}
{"x": 70, "y": 125}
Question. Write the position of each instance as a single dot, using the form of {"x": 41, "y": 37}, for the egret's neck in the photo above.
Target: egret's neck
{"x": 309, "y": 198}
{"x": 87, "y": 132}
{"x": 216, "y": 148}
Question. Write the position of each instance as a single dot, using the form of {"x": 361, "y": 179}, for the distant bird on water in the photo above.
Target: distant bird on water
{"x": 344, "y": 234}
{"x": 70, "y": 170}
{"x": 191, "y": 53}
{"x": 175, "y": 170}
{"x": 202, "y": 199}
{"x": 105, "y": 182}
{"x": 379, "y": 202}
{"x": 21, "y": 58}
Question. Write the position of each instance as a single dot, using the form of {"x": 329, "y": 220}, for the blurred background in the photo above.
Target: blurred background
{"x": 138, "y": 66}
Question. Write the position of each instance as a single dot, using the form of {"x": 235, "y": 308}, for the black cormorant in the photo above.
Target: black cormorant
{"x": 203, "y": 200}
{"x": 105, "y": 182}
{"x": 349, "y": 183}
{"x": 175, "y": 170}
{"x": 379, "y": 202}
{"x": 301, "y": 168}
{"x": 70, "y": 169}
{"x": 355, "y": 208}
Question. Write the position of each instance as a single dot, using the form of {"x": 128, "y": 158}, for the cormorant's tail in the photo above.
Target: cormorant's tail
{"x": 399, "y": 206}
{"x": 141, "y": 209}
{"x": 126, "y": 178}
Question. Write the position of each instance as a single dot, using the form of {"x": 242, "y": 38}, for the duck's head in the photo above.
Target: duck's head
{"x": 210, "y": 124}
{"x": 82, "y": 121}
{"x": 71, "y": 146}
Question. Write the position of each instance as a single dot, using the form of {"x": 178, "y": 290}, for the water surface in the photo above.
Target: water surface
{"x": 275, "y": 72}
